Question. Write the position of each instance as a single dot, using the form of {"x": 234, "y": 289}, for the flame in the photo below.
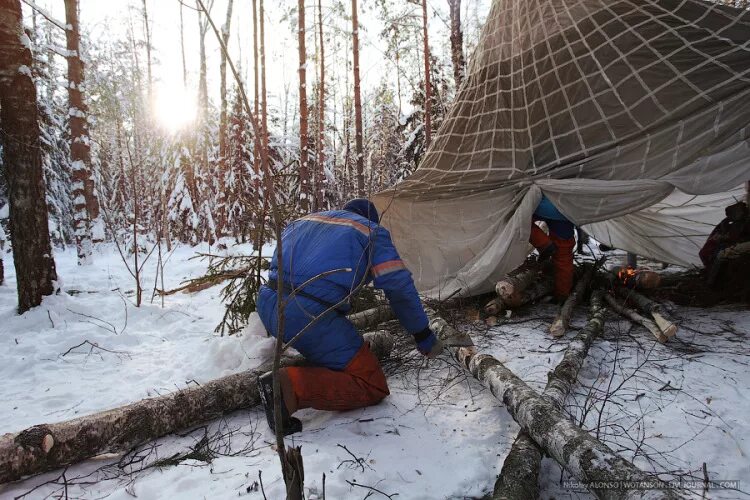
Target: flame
{"x": 627, "y": 275}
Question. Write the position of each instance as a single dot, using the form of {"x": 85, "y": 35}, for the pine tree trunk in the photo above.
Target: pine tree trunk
{"x": 50, "y": 446}
{"x": 202, "y": 128}
{"x": 19, "y": 133}
{"x": 182, "y": 48}
{"x": 256, "y": 106}
{"x": 304, "y": 174}
{"x": 427, "y": 83}
{"x": 223, "y": 153}
{"x": 359, "y": 151}
{"x": 225, "y": 30}
{"x": 85, "y": 204}
{"x": 149, "y": 72}
{"x": 320, "y": 177}
{"x": 457, "y": 42}
{"x": 263, "y": 89}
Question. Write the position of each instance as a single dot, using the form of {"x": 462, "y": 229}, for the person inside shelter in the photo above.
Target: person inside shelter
{"x": 558, "y": 245}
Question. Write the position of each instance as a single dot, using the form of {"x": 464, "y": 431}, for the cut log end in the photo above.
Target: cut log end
{"x": 47, "y": 443}
{"x": 494, "y": 307}
{"x": 557, "y": 329}
{"x": 668, "y": 328}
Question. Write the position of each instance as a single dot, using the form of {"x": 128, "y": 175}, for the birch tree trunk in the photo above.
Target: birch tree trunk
{"x": 85, "y": 204}
{"x": 19, "y": 133}
{"x": 511, "y": 287}
{"x": 304, "y": 174}
{"x": 636, "y": 318}
{"x": 49, "y": 446}
{"x": 583, "y": 456}
{"x": 661, "y": 317}
{"x": 360, "y": 158}
{"x": 518, "y": 479}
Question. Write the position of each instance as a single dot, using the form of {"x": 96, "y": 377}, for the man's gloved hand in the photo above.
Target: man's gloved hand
{"x": 428, "y": 344}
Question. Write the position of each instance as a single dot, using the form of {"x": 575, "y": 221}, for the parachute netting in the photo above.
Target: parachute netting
{"x": 630, "y": 116}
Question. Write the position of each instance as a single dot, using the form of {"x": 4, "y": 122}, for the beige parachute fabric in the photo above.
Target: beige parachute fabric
{"x": 630, "y": 116}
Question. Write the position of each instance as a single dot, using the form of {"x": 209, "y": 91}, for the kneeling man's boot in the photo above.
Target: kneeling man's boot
{"x": 289, "y": 423}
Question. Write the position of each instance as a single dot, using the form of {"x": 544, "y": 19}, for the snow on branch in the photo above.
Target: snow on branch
{"x": 47, "y": 15}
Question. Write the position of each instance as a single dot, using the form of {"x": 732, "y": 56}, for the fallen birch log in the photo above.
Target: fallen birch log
{"x": 583, "y": 456}
{"x": 518, "y": 479}
{"x": 635, "y": 318}
{"x": 561, "y": 323}
{"x": 494, "y": 307}
{"x": 371, "y": 318}
{"x": 50, "y": 446}
{"x": 510, "y": 288}
{"x": 661, "y": 317}
{"x": 540, "y": 288}
{"x": 535, "y": 291}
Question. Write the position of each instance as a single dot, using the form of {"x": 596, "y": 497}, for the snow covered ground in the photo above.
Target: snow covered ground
{"x": 439, "y": 434}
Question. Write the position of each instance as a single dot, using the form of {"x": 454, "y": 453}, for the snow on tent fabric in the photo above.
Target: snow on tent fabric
{"x": 631, "y": 117}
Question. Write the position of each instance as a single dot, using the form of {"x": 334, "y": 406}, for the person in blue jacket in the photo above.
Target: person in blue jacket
{"x": 345, "y": 249}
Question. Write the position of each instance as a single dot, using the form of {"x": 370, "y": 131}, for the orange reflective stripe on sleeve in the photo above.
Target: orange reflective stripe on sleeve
{"x": 388, "y": 267}
{"x": 338, "y": 222}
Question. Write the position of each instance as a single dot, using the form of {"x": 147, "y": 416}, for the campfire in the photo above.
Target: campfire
{"x": 631, "y": 277}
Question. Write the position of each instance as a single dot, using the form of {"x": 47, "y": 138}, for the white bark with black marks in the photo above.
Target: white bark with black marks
{"x": 49, "y": 446}
{"x": 518, "y": 477}
{"x": 578, "y": 452}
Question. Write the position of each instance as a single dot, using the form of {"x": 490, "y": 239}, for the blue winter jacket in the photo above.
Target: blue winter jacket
{"x": 558, "y": 224}
{"x": 327, "y": 241}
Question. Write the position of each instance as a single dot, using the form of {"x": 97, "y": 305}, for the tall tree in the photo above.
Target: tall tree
{"x": 319, "y": 170}
{"x": 202, "y": 83}
{"x": 304, "y": 174}
{"x": 457, "y": 42}
{"x": 225, "y": 29}
{"x": 182, "y": 47}
{"x": 85, "y": 205}
{"x": 256, "y": 106}
{"x": 427, "y": 84}
{"x": 360, "y": 157}
{"x": 19, "y": 130}
{"x": 147, "y": 32}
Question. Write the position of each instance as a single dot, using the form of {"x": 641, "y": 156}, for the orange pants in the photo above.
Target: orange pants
{"x": 562, "y": 260}
{"x": 361, "y": 383}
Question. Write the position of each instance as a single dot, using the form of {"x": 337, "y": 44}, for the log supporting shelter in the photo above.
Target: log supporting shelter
{"x": 561, "y": 323}
{"x": 510, "y": 288}
{"x": 583, "y": 456}
{"x": 50, "y": 446}
{"x": 518, "y": 477}
{"x": 661, "y": 316}
{"x": 633, "y": 316}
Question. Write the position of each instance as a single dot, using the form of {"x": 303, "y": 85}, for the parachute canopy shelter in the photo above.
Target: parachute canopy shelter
{"x": 630, "y": 116}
